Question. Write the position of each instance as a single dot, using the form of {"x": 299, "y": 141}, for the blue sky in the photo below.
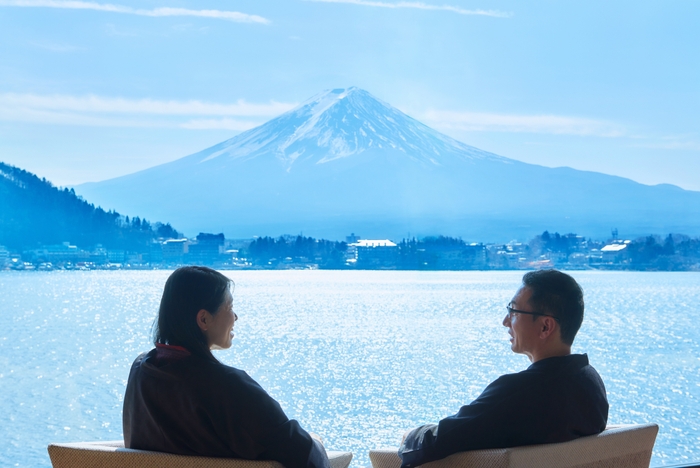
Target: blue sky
{"x": 93, "y": 90}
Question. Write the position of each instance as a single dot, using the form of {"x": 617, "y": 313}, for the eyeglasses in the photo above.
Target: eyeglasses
{"x": 512, "y": 311}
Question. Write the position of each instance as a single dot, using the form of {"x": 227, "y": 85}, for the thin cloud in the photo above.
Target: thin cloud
{"x": 49, "y": 117}
{"x": 219, "y": 124}
{"x": 671, "y": 145}
{"x": 550, "y": 124}
{"x": 101, "y": 104}
{"x": 421, "y": 6}
{"x": 155, "y": 12}
{"x": 119, "y": 112}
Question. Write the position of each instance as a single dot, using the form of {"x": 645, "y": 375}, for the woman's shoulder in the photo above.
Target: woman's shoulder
{"x": 229, "y": 373}
{"x": 224, "y": 382}
{"x": 140, "y": 359}
{"x": 202, "y": 374}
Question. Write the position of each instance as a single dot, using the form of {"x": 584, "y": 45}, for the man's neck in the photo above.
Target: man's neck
{"x": 554, "y": 351}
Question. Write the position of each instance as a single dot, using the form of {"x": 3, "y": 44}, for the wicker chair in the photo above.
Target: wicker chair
{"x": 113, "y": 455}
{"x": 626, "y": 446}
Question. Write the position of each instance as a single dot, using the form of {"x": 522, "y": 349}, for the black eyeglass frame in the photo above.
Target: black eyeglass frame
{"x": 511, "y": 311}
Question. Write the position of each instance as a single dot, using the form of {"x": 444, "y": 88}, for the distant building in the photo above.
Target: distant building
{"x": 174, "y": 250}
{"x": 375, "y": 253}
{"x": 351, "y": 255}
{"x": 116, "y": 256}
{"x": 451, "y": 256}
{"x": 155, "y": 253}
{"x": 99, "y": 256}
{"x": 134, "y": 258}
{"x": 208, "y": 249}
{"x": 352, "y": 238}
{"x": 577, "y": 243}
{"x": 4, "y": 256}
{"x": 59, "y": 253}
{"x": 616, "y": 252}
{"x": 371, "y": 244}
{"x": 475, "y": 254}
{"x": 578, "y": 259}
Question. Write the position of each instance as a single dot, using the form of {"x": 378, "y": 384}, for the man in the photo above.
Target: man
{"x": 558, "y": 398}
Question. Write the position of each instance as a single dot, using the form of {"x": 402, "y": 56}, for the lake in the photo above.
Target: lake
{"x": 356, "y": 356}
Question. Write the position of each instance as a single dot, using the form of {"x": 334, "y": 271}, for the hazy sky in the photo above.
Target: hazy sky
{"x": 92, "y": 90}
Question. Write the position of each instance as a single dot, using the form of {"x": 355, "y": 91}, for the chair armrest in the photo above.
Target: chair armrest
{"x": 109, "y": 454}
{"x": 385, "y": 458}
{"x": 619, "y": 445}
{"x": 339, "y": 459}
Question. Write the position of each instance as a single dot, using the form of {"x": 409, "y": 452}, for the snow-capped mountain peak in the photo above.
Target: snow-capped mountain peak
{"x": 339, "y": 123}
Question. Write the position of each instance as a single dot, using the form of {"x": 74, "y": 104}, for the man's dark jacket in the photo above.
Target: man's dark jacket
{"x": 181, "y": 403}
{"x": 554, "y": 400}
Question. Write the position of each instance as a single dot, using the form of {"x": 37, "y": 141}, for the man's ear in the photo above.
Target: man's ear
{"x": 203, "y": 318}
{"x": 548, "y": 326}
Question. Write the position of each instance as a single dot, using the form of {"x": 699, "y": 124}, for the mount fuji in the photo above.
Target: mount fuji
{"x": 344, "y": 161}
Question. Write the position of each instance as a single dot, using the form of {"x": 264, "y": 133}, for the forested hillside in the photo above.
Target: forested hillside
{"x": 33, "y": 212}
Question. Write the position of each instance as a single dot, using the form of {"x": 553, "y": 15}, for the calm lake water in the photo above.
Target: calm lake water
{"x": 358, "y": 357}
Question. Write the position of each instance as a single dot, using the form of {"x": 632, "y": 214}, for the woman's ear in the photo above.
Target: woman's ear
{"x": 203, "y": 319}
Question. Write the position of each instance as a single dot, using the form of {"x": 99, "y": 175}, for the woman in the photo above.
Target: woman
{"x": 181, "y": 399}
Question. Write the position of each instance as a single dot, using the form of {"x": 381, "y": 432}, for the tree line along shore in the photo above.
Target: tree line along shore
{"x": 651, "y": 253}
{"x": 43, "y": 227}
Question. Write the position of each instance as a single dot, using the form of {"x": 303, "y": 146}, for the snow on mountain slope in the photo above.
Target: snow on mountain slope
{"x": 341, "y": 123}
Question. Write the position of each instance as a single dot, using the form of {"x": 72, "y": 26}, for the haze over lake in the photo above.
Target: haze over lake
{"x": 356, "y": 356}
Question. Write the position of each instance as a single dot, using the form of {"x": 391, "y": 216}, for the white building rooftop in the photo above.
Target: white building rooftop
{"x": 374, "y": 243}
{"x": 614, "y": 248}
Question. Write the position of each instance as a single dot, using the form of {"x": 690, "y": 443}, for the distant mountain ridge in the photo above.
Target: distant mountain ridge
{"x": 33, "y": 212}
{"x": 344, "y": 161}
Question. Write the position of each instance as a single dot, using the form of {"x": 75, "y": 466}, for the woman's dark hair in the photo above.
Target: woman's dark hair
{"x": 558, "y": 294}
{"x": 187, "y": 291}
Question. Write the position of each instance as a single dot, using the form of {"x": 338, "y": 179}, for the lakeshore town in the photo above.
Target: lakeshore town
{"x": 570, "y": 251}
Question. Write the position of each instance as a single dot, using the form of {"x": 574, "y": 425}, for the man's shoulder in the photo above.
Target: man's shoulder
{"x": 559, "y": 384}
{"x": 508, "y": 386}
{"x": 571, "y": 367}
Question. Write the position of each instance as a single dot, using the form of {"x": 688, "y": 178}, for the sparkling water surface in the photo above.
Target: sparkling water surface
{"x": 356, "y": 356}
